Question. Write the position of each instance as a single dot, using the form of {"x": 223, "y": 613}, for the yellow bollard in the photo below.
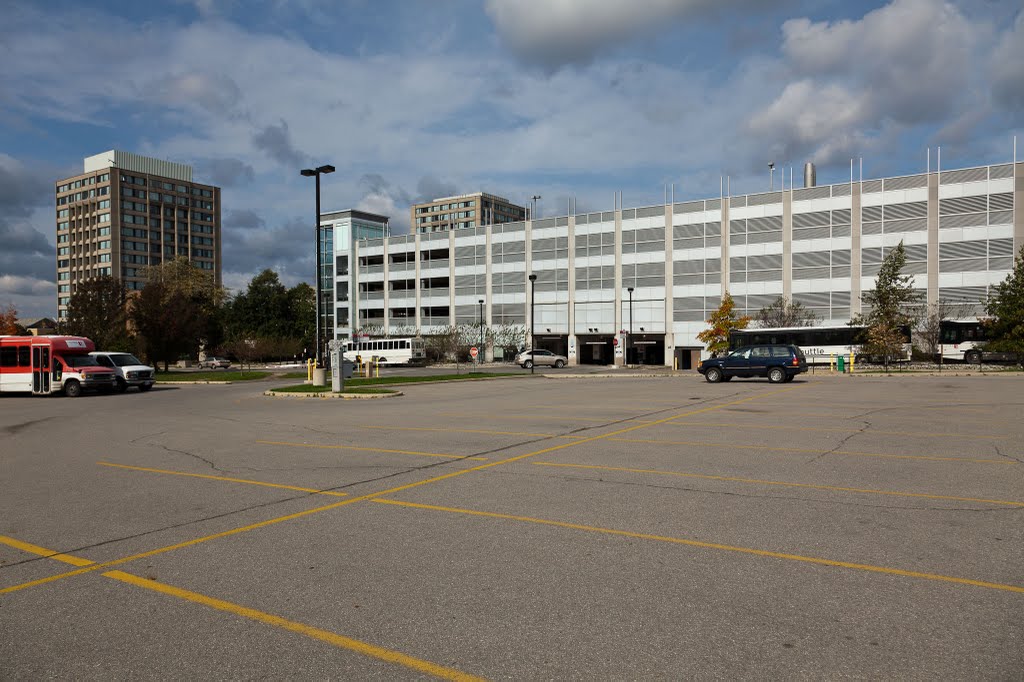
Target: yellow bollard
{"x": 832, "y": 362}
{"x": 851, "y": 363}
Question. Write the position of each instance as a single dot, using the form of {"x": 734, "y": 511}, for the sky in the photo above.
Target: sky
{"x": 417, "y": 99}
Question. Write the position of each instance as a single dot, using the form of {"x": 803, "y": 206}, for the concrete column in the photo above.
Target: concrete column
{"x": 419, "y": 287}
{"x": 670, "y": 346}
{"x": 855, "y": 260}
{"x": 787, "y": 243}
{"x": 489, "y": 295}
{"x": 1018, "y": 208}
{"x": 571, "y": 317}
{"x": 933, "y": 238}
{"x": 618, "y": 359}
{"x": 725, "y": 244}
{"x": 452, "y": 320}
{"x": 387, "y": 288}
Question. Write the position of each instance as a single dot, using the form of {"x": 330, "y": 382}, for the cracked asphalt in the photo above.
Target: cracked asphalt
{"x": 527, "y": 528}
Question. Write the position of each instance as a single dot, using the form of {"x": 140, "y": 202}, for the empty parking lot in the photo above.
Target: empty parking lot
{"x": 518, "y": 528}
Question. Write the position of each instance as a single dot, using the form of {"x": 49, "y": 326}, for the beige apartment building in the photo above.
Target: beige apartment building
{"x": 463, "y": 211}
{"x": 124, "y": 212}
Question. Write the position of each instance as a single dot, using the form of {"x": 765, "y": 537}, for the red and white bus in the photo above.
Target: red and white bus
{"x": 44, "y": 365}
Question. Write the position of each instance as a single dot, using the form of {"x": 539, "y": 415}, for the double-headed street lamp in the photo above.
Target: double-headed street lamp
{"x": 317, "y": 172}
{"x": 533, "y": 318}
{"x": 533, "y": 205}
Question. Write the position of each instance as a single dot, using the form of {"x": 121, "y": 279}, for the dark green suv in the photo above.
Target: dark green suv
{"x": 778, "y": 362}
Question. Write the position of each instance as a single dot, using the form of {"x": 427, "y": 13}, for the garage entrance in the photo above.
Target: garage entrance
{"x": 595, "y": 350}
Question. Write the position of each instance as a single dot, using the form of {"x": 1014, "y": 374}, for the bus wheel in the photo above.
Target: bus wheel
{"x": 972, "y": 357}
{"x": 72, "y": 388}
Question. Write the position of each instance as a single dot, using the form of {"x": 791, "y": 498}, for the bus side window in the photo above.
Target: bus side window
{"x": 8, "y": 356}
{"x": 24, "y": 356}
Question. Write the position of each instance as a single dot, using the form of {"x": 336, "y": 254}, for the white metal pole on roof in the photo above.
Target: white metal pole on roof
{"x": 928, "y": 165}
{"x": 938, "y": 162}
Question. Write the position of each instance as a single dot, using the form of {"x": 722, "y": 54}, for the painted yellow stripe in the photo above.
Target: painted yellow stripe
{"x": 715, "y": 545}
{"x": 364, "y": 449}
{"x": 245, "y": 612}
{"x": 226, "y": 478}
{"x": 914, "y": 434}
{"x": 369, "y": 496}
{"x": 331, "y": 638}
{"x": 43, "y": 552}
{"x": 755, "y": 481}
{"x": 519, "y": 417}
{"x": 483, "y": 431}
{"x": 813, "y": 451}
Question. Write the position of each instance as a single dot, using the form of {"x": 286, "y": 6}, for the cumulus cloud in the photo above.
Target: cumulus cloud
{"x": 217, "y": 93}
{"x": 557, "y": 32}
{"x": 1008, "y": 70}
{"x": 907, "y": 63}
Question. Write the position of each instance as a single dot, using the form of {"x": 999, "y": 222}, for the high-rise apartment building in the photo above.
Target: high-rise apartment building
{"x": 125, "y": 212}
{"x": 463, "y": 211}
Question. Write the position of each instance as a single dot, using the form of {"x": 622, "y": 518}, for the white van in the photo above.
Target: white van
{"x": 129, "y": 370}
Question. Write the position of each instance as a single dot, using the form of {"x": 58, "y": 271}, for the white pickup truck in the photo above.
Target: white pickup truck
{"x": 128, "y": 370}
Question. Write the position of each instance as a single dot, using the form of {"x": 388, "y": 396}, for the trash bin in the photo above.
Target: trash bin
{"x": 841, "y": 365}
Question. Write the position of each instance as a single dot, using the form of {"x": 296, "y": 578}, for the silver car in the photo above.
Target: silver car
{"x": 540, "y": 357}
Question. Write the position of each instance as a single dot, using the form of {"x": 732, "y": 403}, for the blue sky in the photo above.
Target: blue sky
{"x": 414, "y": 99}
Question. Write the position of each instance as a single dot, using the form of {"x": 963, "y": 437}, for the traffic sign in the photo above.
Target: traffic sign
{"x": 473, "y": 351}
{"x": 615, "y": 341}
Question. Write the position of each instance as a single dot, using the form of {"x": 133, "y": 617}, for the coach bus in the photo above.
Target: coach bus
{"x": 819, "y": 344}
{"x": 398, "y": 351}
{"x": 45, "y": 365}
{"x": 965, "y": 340}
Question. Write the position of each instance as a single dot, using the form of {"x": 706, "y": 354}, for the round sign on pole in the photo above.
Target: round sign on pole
{"x": 615, "y": 342}
{"x": 473, "y": 351}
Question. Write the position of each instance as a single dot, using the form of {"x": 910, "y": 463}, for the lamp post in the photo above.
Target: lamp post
{"x": 629, "y": 347}
{"x": 533, "y": 205}
{"x": 533, "y": 318}
{"x": 771, "y": 176}
{"x": 317, "y": 172}
{"x": 479, "y": 355}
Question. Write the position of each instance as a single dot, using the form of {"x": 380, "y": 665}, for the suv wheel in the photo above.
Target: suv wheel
{"x": 559, "y": 364}
{"x": 713, "y": 375}
{"x": 528, "y": 364}
{"x": 776, "y": 375}
{"x": 122, "y": 385}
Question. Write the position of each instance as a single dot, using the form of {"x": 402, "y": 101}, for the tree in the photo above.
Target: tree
{"x": 177, "y": 312}
{"x": 889, "y": 308}
{"x": 509, "y": 338}
{"x": 929, "y": 327}
{"x": 302, "y": 308}
{"x": 9, "y": 320}
{"x": 1006, "y": 308}
{"x": 97, "y": 310}
{"x": 785, "y": 313}
{"x": 721, "y": 323}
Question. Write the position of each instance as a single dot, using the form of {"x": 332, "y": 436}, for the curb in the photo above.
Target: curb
{"x": 328, "y": 395}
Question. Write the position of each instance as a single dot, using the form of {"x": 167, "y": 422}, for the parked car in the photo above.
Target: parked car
{"x": 540, "y": 357}
{"x": 214, "y": 362}
{"x": 780, "y": 363}
{"x": 128, "y": 370}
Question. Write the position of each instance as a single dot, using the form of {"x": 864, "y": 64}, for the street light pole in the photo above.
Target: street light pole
{"x": 533, "y": 322}
{"x": 533, "y": 205}
{"x": 316, "y": 173}
{"x": 481, "y": 351}
{"x": 630, "y": 346}
{"x": 771, "y": 176}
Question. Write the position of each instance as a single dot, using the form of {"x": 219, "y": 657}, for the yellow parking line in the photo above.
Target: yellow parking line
{"x": 755, "y": 481}
{"x": 813, "y": 451}
{"x": 914, "y": 434}
{"x": 368, "y": 496}
{"x": 507, "y": 417}
{"x": 331, "y": 638}
{"x": 225, "y": 478}
{"x": 43, "y": 552}
{"x": 363, "y": 449}
{"x": 715, "y": 545}
{"x": 483, "y": 431}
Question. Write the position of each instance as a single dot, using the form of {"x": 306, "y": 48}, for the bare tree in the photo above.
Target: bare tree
{"x": 928, "y": 330}
{"x": 785, "y": 313}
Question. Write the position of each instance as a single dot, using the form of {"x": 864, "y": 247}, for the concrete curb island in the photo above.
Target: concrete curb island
{"x": 328, "y": 395}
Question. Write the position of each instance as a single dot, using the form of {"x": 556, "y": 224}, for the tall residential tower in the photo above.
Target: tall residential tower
{"x": 124, "y": 212}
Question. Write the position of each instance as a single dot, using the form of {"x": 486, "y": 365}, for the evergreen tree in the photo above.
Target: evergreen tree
{"x": 889, "y": 308}
{"x": 1006, "y": 308}
{"x": 721, "y": 323}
